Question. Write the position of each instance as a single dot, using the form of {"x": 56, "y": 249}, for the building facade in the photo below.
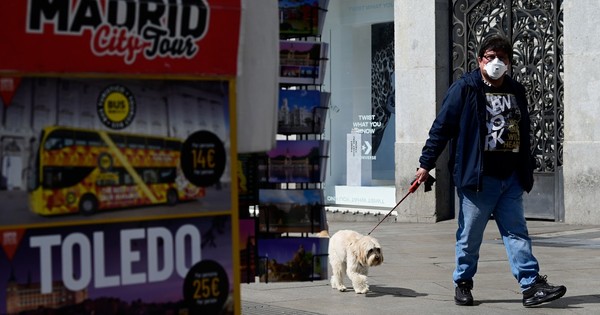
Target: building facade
{"x": 423, "y": 65}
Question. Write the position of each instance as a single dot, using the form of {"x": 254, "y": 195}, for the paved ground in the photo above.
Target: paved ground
{"x": 416, "y": 276}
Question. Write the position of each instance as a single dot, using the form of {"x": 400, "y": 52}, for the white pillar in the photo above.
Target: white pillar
{"x": 581, "y": 146}
{"x": 421, "y": 49}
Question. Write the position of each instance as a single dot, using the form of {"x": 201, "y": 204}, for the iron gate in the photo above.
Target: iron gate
{"x": 536, "y": 30}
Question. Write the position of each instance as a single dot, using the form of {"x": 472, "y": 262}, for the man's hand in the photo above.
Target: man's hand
{"x": 421, "y": 175}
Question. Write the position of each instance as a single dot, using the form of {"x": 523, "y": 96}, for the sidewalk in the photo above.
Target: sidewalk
{"x": 416, "y": 276}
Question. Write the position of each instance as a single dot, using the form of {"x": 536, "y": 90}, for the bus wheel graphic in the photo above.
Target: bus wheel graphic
{"x": 172, "y": 197}
{"x": 88, "y": 204}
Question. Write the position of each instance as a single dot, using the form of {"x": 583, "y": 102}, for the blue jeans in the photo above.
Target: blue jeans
{"x": 502, "y": 198}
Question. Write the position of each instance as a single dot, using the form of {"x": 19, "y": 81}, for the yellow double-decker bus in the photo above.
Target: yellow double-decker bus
{"x": 82, "y": 170}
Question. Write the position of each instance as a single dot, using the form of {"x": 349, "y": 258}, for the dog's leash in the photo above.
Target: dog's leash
{"x": 415, "y": 184}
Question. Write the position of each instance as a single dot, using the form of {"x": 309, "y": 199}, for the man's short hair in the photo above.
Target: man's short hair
{"x": 496, "y": 42}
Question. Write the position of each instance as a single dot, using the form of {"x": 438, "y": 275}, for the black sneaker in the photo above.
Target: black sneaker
{"x": 462, "y": 293}
{"x": 541, "y": 292}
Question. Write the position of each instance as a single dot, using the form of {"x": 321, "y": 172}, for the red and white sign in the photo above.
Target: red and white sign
{"x": 140, "y": 37}
{"x": 8, "y": 87}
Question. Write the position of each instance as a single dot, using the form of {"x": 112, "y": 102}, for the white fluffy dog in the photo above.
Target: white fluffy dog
{"x": 352, "y": 253}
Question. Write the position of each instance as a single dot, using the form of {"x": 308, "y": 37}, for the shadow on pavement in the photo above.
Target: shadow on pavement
{"x": 375, "y": 291}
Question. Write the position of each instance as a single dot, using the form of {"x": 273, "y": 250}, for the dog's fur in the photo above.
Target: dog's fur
{"x": 352, "y": 253}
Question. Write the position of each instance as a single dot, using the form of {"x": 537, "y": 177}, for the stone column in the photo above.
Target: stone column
{"x": 421, "y": 57}
{"x": 582, "y": 112}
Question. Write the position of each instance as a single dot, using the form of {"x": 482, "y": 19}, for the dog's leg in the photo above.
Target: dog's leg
{"x": 337, "y": 275}
{"x": 358, "y": 276}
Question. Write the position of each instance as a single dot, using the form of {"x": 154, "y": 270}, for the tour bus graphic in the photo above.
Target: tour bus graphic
{"x": 83, "y": 170}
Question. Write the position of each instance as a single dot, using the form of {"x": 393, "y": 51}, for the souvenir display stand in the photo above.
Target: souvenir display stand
{"x": 282, "y": 190}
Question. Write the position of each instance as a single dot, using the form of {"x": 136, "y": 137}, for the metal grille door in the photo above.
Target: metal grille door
{"x": 536, "y": 30}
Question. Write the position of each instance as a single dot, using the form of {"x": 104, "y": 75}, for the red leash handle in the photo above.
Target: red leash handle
{"x": 414, "y": 187}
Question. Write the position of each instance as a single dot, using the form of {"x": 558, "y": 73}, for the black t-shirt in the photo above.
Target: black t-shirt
{"x": 502, "y": 138}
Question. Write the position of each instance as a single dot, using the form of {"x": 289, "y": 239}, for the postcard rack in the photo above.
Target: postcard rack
{"x": 282, "y": 190}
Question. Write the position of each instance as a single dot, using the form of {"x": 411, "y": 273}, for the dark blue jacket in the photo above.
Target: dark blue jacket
{"x": 461, "y": 121}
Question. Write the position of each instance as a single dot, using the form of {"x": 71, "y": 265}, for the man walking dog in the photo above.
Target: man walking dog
{"x": 485, "y": 118}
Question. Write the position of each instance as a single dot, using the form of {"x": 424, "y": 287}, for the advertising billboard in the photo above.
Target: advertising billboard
{"x": 118, "y": 149}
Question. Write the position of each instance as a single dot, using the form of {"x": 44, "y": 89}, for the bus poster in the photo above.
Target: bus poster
{"x": 117, "y": 136}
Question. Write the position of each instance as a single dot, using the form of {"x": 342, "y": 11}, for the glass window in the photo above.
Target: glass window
{"x": 136, "y": 142}
{"x": 155, "y": 144}
{"x": 62, "y": 177}
{"x": 361, "y": 117}
{"x": 119, "y": 140}
{"x": 88, "y": 138}
{"x": 59, "y": 139}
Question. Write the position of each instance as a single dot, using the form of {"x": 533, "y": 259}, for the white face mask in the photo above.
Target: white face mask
{"x": 495, "y": 69}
